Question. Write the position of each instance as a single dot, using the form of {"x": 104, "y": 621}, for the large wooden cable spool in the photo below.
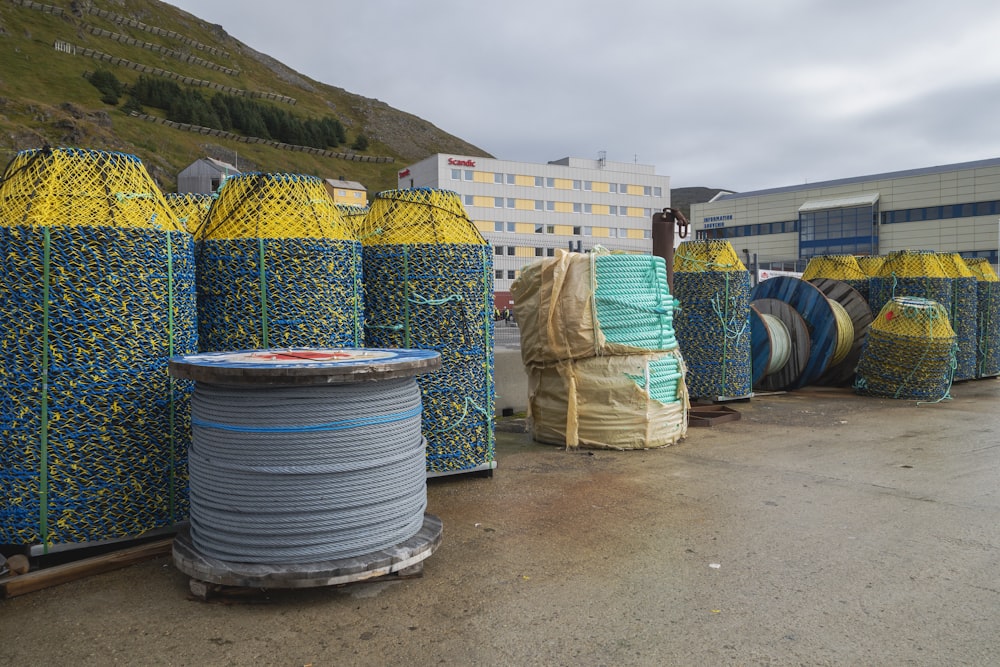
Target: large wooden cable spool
{"x": 856, "y": 306}
{"x": 766, "y": 339}
{"x": 820, "y": 319}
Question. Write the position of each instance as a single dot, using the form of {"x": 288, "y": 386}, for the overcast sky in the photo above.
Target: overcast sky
{"x": 734, "y": 94}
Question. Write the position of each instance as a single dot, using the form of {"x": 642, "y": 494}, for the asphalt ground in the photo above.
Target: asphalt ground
{"x": 822, "y": 528}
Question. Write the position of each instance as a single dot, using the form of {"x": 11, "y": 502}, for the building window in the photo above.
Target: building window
{"x": 550, "y": 182}
{"x": 511, "y": 179}
{"x": 498, "y": 202}
{"x": 577, "y": 207}
{"x": 498, "y": 250}
{"x": 456, "y": 174}
{"x": 623, "y": 188}
{"x": 550, "y": 252}
{"x": 510, "y": 274}
{"x": 622, "y": 233}
{"x": 539, "y": 205}
{"x": 576, "y": 231}
{"x": 468, "y": 175}
{"x": 646, "y": 234}
{"x": 847, "y": 230}
{"x": 539, "y": 182}
{"x": 613, "y": 188}
{"x": 588, "y": 208}
{"x": 588, "y": 185}
{"x": 469, "y": 199}
{"x": 498, "y": 226}
{"x": 511, "y": 227}
{"x": 498, "y": 178}
{"x": 511, "y": 202}
{"x": 550, "y": 229}
{"x": 539, "y": 229}
{"x": 647, "y": 191}
{"x": 577, "y": 185}
{"x": 539, "y": 252}
{"x": 612, "y": 210}
{"x": 588, "y": 231}
{"x": 657, "y": 191}
{"x": 498, "y": 274}
{"x": 612, "y": 232}
{"x": 510, "y": 250}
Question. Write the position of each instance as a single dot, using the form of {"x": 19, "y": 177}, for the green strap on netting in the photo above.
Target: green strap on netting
{"x": 43, "y": 481}
{"x": 262, "y": 272}
{"x": 487, "y": 343}
{"x": 170, "y": 380}
{"x": 406, "y": 296}
{"x": 725, "y": 334}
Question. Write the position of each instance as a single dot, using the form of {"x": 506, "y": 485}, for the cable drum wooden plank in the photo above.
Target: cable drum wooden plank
{"x": 842, "y": 374}
{"x": 799, "y": 342}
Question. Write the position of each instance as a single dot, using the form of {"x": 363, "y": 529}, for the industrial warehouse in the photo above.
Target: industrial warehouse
{"x": 948, "y": 208}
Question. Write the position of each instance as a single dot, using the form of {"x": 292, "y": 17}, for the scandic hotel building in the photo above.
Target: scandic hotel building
{"x": 527, "y": 210}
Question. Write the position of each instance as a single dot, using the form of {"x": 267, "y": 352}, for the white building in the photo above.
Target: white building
{"x": 527, "y": 210}
{"x": 948, "y": 208}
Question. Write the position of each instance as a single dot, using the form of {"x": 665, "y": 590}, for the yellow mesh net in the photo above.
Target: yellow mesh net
{"x": 914, "y": 317}
{"x": 273, "y": 206}
{"x": 711, "y": 255}
{"x": 954, "y": 266}
{"x": 911, "y": 264}
{"x": 418, "y": 215}
{"x": 82, "y": 188}
{"x": 981, "y": 268}
{"x": 191, "y": 208}
{"x": 870, "y": 264}
{"x": 354, "y": 216}
{"x": 834, "y": 267}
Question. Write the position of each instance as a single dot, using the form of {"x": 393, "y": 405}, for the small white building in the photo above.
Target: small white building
{"x": 204, "y": 176}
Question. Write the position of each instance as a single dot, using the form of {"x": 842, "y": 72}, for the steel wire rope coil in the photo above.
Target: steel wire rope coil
{"x": 304, "y": 474}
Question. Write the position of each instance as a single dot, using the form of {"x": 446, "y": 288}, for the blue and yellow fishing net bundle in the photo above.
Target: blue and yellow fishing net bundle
{"x": 963, "y": 314}
{"x": 713, "y": 323}
{"x": 987, "y": 317}
{"x": 428, "y": 276}
{"x": 97, "y": 289}
{"x": 277, "y": 267}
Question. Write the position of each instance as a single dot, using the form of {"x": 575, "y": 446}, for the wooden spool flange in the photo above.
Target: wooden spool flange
{"x": 857, "y": 308}
{"x": 761, "y": 344}
{"x": 818, "y": 314}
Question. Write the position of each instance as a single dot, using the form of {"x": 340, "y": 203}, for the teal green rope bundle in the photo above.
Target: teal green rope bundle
{"x": 632, "y": 301}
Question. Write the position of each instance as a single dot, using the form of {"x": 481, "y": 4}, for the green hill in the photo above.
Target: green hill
{"x": 49, "y": 50}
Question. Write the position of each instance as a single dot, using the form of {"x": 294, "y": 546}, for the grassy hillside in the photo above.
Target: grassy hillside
{"x": 46, "y": 99}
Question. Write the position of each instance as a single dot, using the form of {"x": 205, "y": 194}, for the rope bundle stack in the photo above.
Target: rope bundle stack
{"x": 597, "y": 330}
{"x": 191, "y": 208}
{"x": 428, "y": 277}
{"x": 988, "y": 317}
{"x": 963, "y": 314}
{"x": 910, "y": 352}
{"x": 713, "y": 324}
{"x": 844, "y": 268}
{"x": 910, "y": 273}
{"x": 277, "y": 267}
{"x": 97, "y": 292}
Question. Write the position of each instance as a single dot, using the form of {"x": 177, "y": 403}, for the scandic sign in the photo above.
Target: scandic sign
{"x": 461, "y": 163}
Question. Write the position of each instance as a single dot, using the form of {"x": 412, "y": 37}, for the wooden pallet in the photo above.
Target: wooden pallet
{"x": 710, "y": 415}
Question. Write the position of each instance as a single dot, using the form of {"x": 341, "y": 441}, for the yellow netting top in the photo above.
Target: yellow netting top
{"x": 834, "y": 267}
{"x": 954, "y": 266}
{"x": 191, "y": 208}
{"x": 982, "y": 269}
{"x": 273, "y": 206}
{"x": 56, "y": 187}
{"x": 870, "y": 264}
{"x": 709, "y": 255}
{"x": 915, "y": 317}
{"x": 418, "y": 215}
{"x": 911, "y": 264}
{"x": 354, "y": 216}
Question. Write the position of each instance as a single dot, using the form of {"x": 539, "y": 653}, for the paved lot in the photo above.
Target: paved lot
{"x": 820, "y": 529}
